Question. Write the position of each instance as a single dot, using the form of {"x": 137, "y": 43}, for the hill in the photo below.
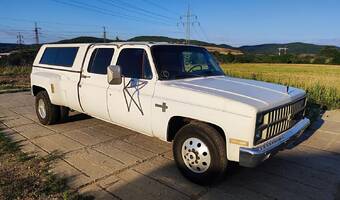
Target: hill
{"x": 293, "y": 48}
{"x": 83, "y": 39}
{"x": 263, "y": 49}
{"x": 221, "y": 48}
{"x": 7, "y": 47}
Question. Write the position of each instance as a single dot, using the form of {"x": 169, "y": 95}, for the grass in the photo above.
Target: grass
{"x": 14, "y": 77}
{"x": 19, "y": 70}
{"x": 26, "y": 177}
{"x": 322, "y": 82}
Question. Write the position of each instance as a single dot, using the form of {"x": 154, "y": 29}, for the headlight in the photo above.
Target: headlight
{"x": 258, "y": 130}
{"x": 258, "y": 135}
{"x": 259, "y": 120}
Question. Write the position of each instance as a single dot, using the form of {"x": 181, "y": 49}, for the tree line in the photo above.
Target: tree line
{"x": 328, "y": 55}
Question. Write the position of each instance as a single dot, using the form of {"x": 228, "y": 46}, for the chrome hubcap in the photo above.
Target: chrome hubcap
{"x": 196, "y": 155}
{"x": 41, "y": 108}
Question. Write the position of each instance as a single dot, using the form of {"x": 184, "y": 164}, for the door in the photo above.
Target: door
{"x": 129, "y": 103}
{"x": 93, "y": 85}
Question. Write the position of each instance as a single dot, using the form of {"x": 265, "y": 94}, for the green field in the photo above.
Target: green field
{"x": 322, "y": 82}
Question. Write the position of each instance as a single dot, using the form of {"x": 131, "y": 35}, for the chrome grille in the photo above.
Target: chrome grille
{"x": 280, "y": 119}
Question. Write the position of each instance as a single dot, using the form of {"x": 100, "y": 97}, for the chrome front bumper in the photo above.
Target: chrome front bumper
{"x": 251, "y": 157}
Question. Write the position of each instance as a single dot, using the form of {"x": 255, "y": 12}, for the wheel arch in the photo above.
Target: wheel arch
{"x": 177, "y": 122}
{"x": 36, "y": 89}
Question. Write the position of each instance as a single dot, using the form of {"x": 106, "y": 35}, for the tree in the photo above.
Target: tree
{"x": 329, "y": 52}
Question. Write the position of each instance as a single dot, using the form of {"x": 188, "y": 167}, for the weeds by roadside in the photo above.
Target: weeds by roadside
{"x": 27, "y": 177}
{"x": 15, "y": 77}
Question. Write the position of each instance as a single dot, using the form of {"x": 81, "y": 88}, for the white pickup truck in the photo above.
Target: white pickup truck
{"x": 177, "y": 93}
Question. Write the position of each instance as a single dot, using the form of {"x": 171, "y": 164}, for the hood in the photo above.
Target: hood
{"x": 258, "y": 94}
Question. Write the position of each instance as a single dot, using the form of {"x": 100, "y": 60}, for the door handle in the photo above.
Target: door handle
{"x": 84, "y": 76}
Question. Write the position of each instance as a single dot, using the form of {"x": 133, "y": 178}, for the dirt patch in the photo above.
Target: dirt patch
{"x": 25, "y": 177}
{"x": 14, "y": 81}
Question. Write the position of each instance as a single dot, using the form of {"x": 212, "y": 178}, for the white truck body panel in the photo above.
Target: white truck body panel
{"x": 229, "y": 103}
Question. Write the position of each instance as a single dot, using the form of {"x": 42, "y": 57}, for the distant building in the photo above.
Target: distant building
{"x": 4, "y": 54}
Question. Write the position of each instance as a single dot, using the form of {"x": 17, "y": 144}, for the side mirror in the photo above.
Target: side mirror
{"x": 114, "y": 75}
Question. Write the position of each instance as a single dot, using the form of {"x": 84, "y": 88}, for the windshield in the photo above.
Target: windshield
{"x": 177, "y": 62}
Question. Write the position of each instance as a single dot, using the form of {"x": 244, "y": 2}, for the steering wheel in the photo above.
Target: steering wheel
{"x": 193, "y": 67}
{"x": 165, "y": 74}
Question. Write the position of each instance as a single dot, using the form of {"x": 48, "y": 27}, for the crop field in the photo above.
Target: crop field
{"x": 322, "y": 82}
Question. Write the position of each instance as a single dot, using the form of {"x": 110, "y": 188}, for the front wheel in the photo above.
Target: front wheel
{"x": 47, "y": 112}
{"x": 200, "y": 153}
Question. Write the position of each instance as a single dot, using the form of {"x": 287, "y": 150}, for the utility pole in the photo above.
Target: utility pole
{"x": 104, "y": 33}
{"x": 36, "y": 33}
{"x": 20, "y": 39}
{"x": 187, "y": 21}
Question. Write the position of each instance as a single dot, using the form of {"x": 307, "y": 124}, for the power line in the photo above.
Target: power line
{"x": 20, "y": 39}
{"x": 135, "y": 10}
{"x": 144, "y": 10}
{"x": 187, "y": 21}
{"x": 93, "y": 8}
{"x": 161, "y": 7}
{"x": 36, "y": 32}
{"x": 104, "y": 34}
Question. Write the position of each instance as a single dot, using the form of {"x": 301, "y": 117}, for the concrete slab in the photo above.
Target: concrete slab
{"x": 333, "y": 115}
{"x": 74, "y": 177}
{"x": 16, "y": 121}
{"x": 16, "y": 137}
{"x": 23, "y": 110}
{"x": 110, "y": 150}
{"x": 120, "y": 163}
{"x": 31, "y": 149}
{"x": 330, "y": 126}
{"x": 148, "y": 143}
{"x": 135, "y": 151}
{"x": 166, "y": 172}
{"x": 111, "y": 130}
{"x": 96, "y": 192}
{"x": 32, "y": 131}
{"x": 92, "y": 163}
{"x": 74, "y": 125}
{"x": 133, "y": 185}
{"x": 86, "y": 137}
{"x": 57, "y": 142}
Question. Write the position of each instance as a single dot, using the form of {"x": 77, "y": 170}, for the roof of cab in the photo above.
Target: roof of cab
{"x": 119, "y": 44}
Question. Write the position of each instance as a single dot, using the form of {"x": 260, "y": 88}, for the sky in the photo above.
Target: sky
{"x": 232, "y": 22}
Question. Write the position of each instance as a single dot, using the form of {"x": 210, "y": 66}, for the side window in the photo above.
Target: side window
{"x": 100, "y": 60}
{"x": 135, "y": 63}
{"x": 60, "y": 56}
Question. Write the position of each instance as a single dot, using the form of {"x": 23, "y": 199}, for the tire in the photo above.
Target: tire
{"x": 190, "y": 143}
{"x": 47, "y": 112}
{"x": 64, "y": 113}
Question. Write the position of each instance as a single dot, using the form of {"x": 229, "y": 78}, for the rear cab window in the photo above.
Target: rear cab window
{"x": 59, "y": 56}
